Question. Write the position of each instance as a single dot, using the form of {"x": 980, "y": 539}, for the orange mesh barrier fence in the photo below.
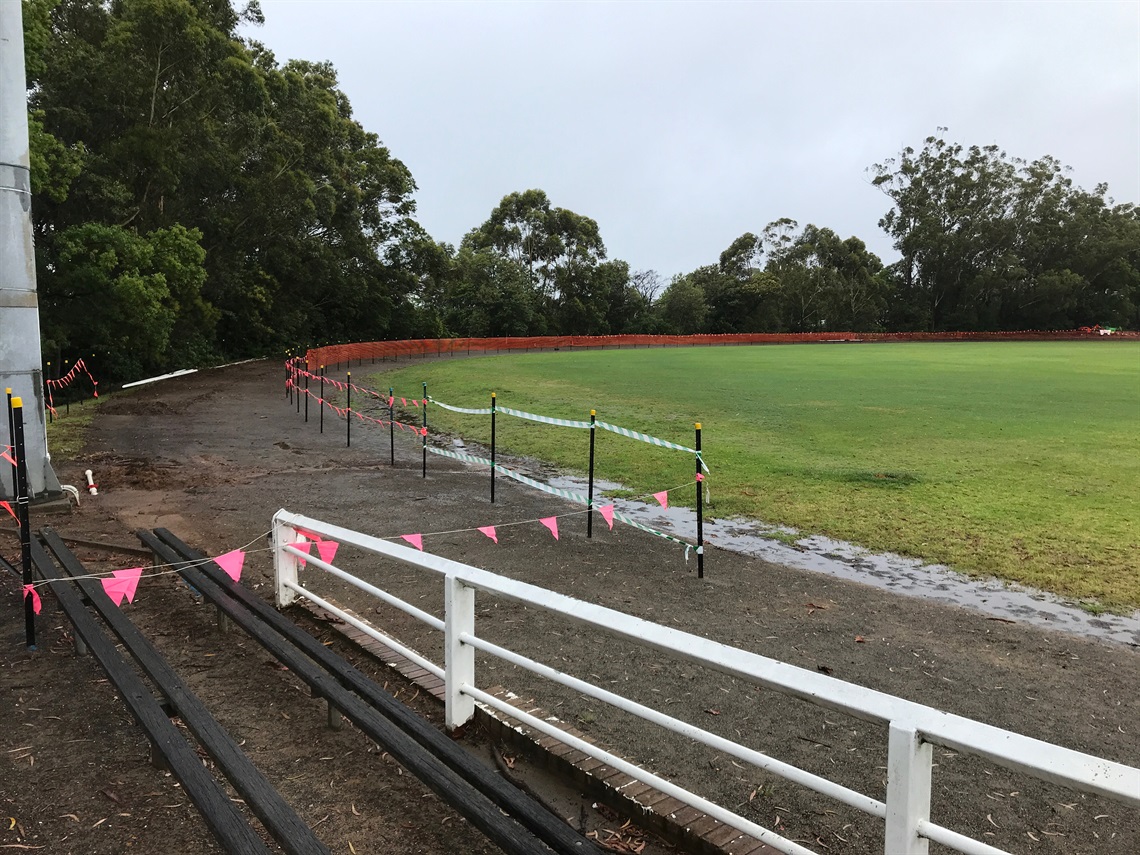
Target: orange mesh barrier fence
{"x": 337, "y": 354}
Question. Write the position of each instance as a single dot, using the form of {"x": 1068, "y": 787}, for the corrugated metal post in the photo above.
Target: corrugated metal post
{"x": 590, "y": 491}
{"x": 700, "y": 512}
{"x": 22, "y": 499}
{"x": 20, "y": 355}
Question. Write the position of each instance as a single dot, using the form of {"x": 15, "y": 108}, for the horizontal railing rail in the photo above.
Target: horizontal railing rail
{"x": 912, "y": 728}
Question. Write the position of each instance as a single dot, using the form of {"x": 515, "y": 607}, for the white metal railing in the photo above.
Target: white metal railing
{"x": 912, "y": 728}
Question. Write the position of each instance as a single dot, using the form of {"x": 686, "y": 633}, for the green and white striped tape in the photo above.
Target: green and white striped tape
{"x": 547, "y": 420}
{"x": 484, "y": 412}
{"x": 546, "y": 488}
{"x": 554, "y": 491}
{"x": 652, "y": 440}
{"x": 623, "y": 518}
{"x": 455, "y": 455}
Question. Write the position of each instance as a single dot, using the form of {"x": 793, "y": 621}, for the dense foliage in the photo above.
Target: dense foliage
{"x": 196, "y": 200}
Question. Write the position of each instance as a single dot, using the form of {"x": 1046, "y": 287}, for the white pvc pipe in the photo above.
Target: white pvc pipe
{"x": 91, "y": 488}
{"x": 370, "y": 631}
{"x": 792, "y": 773}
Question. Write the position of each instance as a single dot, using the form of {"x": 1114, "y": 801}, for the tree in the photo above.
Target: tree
{"x": 152, "y": 115}
{"x": 989, "y": 241}
{"x": 682, "y": 307}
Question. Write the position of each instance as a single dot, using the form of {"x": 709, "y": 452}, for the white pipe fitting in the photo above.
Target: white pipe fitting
{"x": 91, "y": 488}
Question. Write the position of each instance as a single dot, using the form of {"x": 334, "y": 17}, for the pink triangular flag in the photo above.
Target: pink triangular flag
{"x": 122, "y": 583}
{"x": 489, "y": 530}
{"x": 607, "y": 512}
{"x": 111, "y": 587}
{"x": 304, "y": 546}
{"x": 404, "y": 401}
{"x": 232, "y": 562}
{"x": 30, "y": 591}
{"x": 416, "y": 540}
{"x": 326, "y": 549}
{"x": 552, "y": 524}
{"x": 663, "y": 498}
{"x": 8, "y": 508}
{"x": 310, "y": 535}
{"x": 8, "y": 457}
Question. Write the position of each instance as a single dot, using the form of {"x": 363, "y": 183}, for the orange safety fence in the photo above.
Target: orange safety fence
{"x": 337, "y": 354}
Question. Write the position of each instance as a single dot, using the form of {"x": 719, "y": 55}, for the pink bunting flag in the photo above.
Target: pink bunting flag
{"x": 489, "y": 530}
{"x": 8, "y": 457}
{"x": 607, "y": 512}
{"x": 304, "y": 546}
{"x": 232, "y": 562}
{"x": 700, "y": 477}
{"x": 663, "y": 498}
{"x": 404, "y": 401}
{"x": 30, "y": 591}
{"x": 416, "y": 540}
{"x": 423, "y": 431}
{"x": 122, "y": 583}
{"x": 8, "y": 508}
{"x": 326, "y": 549}
{"x": 552, "y": 524}
{"x": 390, "y": 400}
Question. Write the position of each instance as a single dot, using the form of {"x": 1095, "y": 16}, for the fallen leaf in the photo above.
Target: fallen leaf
{"x": 355, "y": 812}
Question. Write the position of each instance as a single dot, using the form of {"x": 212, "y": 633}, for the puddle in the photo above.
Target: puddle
{"x": 890, "y": 572}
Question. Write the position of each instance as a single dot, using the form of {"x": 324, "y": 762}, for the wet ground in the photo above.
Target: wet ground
{"x": 890, "y": 572}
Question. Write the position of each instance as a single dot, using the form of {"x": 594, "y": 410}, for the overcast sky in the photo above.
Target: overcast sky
{"x": 679, "y": 126}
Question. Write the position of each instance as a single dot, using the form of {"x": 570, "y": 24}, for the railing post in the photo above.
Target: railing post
{"x": 285, "y": 564}
{"x": 459, "y": 658}
{"x": 908, "y": 791}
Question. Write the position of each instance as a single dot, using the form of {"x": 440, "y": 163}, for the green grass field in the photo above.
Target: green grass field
{"x": 1020, "y": 460}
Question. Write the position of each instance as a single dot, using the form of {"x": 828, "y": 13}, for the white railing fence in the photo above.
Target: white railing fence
{"x": 913, "y": 728}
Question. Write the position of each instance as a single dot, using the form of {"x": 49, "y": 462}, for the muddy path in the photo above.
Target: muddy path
{"x": 213, "y": 455}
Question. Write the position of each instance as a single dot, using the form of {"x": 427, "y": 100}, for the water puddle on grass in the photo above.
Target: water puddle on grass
{"x": 890, "y": 572}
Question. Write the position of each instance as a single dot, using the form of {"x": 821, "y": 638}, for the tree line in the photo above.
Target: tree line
{"x": 195, "y": 200}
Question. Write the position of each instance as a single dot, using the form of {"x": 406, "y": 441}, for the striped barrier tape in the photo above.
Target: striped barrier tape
{"x": 544, "y": 419}
{"x": 652, "y": 440}
{"x": 484, "y": 412}
{"x": 623, "y": 518}
{"x": 455, "y": 455}
{"x": 546, "y": 488}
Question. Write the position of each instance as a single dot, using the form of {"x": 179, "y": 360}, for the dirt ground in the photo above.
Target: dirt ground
{"x": 213, "y": 455}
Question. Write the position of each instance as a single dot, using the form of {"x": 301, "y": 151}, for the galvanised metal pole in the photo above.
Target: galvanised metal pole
{"x": 424, "y": 403}
{"x": 700, "y": 512}
{"x": 11, "y": 439}
{"x": 492, "y": 448}
{"x": 306, "y": 394}
{"x": 322, "y": 399}
{"x": 20, "y": 354}
{"x": 22, "y": 500}
{"x": 590, "y": 492}
{"x": 348, "y": 411}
